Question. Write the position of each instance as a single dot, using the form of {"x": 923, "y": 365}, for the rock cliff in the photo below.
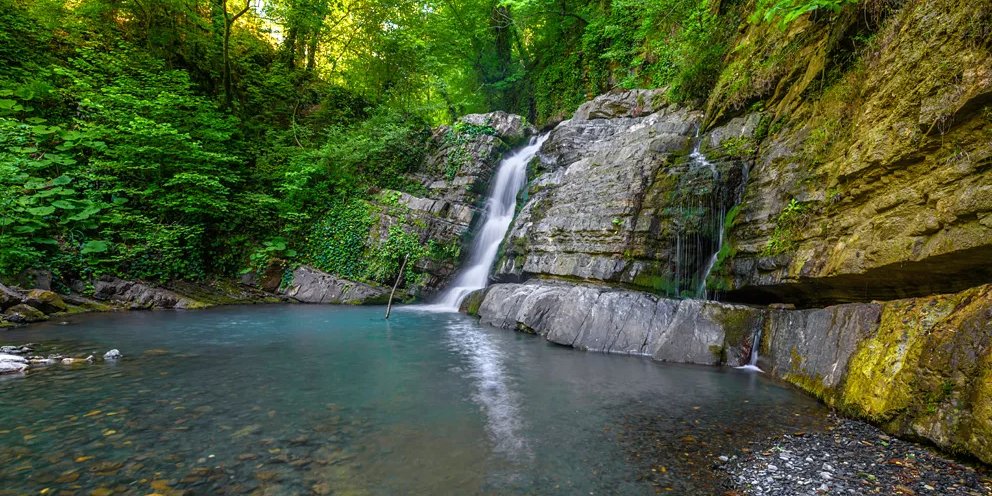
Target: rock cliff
{"x": 917, "y": 367}
{"x": 842, "y": 166}
{"x": 873, "y": 174}
{"x": 619, "y": 197}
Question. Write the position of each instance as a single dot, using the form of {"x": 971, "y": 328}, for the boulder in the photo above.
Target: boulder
{"x": 622, "y": 103}
{"x": 613, "y": 320}
{"x": 35, "y": 279}
{"x": 510, "y": 127}
{"x": 140, "y": 295}
{"x": 24, "y": 314}
{"x": 310, "y": 285}
{"x": 9, "y": 297}
{"x": 46, "y": 301}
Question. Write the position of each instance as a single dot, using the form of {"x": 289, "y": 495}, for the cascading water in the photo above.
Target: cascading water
{"x": 511, "y": 176}
{"x": 700, "y": 160}
{"x": 753, "y": 362}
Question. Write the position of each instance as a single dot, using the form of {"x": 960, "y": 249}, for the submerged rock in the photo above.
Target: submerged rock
{"x": 12, "y": 364}
{"x": 113, "y": 354}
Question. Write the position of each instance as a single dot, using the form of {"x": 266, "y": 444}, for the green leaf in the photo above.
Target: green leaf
{"x": 86, "y": 213}
{"x": 61, "y": 180}
{"x": 95, "y": 246}
{"x": 41, "y": 211}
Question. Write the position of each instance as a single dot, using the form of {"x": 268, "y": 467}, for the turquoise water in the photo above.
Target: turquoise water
{"x": 294, "y": 399}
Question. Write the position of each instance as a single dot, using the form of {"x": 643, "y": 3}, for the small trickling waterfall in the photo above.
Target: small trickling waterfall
{"x": 511, "y": 176}
{"x": 708, "y": 195}
{"x": 752, "y": 364}
{"x": 698, "y": 158}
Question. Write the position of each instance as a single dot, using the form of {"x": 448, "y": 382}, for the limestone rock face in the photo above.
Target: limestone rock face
{"x": 509, "y": 127}
{"x": 919, "y": 367}
{"x": 46, "y": 301}
{"x": 619, "y": 199}
{"x": 455, "y": 175}
{"x": 628, "y": 322}
{"x": 140, "y": 295}
{"x": 622, "y": 103}
{"x": 889, "y": 164}
{"x": 313, "y": 286}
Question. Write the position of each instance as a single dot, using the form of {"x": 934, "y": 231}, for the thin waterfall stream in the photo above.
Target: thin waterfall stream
{"x": 511, "y": 177}
{"x": 700, "y": 160}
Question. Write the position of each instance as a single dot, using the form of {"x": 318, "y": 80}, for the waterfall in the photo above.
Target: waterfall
{"x": 752, "y": 364}
{"x": 511, "y": 177}
{"x": 699, "y": 159}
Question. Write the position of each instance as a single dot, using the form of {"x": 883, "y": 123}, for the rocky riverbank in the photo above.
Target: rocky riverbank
{"x": 15, "y": 359}
{"x": 849, "y": 457}
{"x": 35, "y": 301}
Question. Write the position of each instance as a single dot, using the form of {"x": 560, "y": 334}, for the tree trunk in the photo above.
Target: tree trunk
{"x": 229, "y": 21}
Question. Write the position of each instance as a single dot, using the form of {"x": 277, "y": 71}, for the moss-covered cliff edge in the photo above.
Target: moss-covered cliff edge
{"x": 873, "y": 167}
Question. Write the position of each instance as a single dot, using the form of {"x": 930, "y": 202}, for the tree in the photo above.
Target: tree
{"x": 229, "y": 20}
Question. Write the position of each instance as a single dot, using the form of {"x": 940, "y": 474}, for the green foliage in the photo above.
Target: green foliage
{"x": 456, "y": 139}
{"x": 783, "y": 12}
{"x": 338, "y": 242}
{"x": 739, "y": 147}
{"x": 789, "y": 225}
{"x": 384, "y": 259}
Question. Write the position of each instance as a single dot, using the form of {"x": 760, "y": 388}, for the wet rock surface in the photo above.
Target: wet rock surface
{"x": 17, "y": 359}
{"x": 453, "y": 180}
{"x": 620, "y": 198}
{"x": 136, "y": 294}
{"x": 310, "y": 285}
{"x": 627, "y": 322}
{"x": 850, "y": 457}
{"x": 918, "y": 367}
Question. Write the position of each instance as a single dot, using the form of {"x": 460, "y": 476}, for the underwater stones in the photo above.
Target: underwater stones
{"x": 10, "y": 364}
{"x": 112, "y": 355}
{"x": 24, "y": 314}
{"x": 310, "y": 285}
{"x": 46, "y": 301}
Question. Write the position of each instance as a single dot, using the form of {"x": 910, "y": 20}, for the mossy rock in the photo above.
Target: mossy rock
{"x": 470, "y": 305}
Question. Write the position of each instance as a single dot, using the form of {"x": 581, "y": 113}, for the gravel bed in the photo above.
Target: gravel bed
{"x": 851, "y": 457}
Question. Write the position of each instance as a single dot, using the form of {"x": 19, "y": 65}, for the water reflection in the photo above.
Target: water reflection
{"x": 494, "y": 392}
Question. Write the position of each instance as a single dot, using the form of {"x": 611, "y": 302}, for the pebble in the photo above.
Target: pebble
{"x": 853, "y": 458}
